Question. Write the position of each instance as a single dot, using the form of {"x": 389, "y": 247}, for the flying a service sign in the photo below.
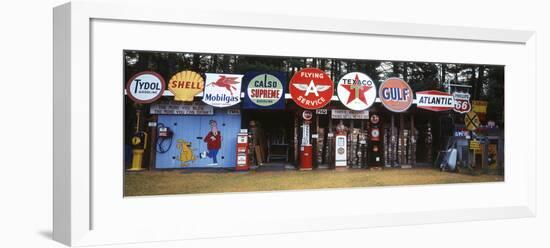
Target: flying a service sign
{"x": 434, "y": 100}
{"x": 222, "y": 90}
{"x": 311, "y": 88}
{"x": 356, "y": 91}
{"x": 145, "y": 87}
{"x": 264, "y": 90}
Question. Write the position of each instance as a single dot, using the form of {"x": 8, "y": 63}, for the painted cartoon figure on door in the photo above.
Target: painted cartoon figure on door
{"x": 213, "y": 142}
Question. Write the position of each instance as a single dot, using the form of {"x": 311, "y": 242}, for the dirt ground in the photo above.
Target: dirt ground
{"x": 181, "y": 182}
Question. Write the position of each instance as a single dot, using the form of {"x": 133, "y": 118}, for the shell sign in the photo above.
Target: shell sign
{"x": 185, "y": 85}
{"x": 396, "y": 95}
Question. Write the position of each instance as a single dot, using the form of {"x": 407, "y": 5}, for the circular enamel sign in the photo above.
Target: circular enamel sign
{"x": 356, "y": 91}
{"x": 311, "y": 88}
{"x": 145, "y": 87}
{"x": 265, "y": 90}
{"x": 396, "y": 95}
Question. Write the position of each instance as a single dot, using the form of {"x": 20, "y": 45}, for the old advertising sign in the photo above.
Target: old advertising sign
{"x": 185, "y": 85}
{"x": 374, "y": 119}
{"x": 434, "y": 100}
{"x": 222, "y": 90}
{"x": 480, "y": 107}
{"x": 177, "y": 108}
{"x": 471, "y": 120}
{"x": 264, "y": 90}
{"x": 311, "y": 88}
{"x": 349, "y": 114}
{"x": 145, "y": 87}
{"x": 462, "y": 102}
{"x": 356, "y": 91}
{"x": 395, "y": 94}
{"x": 307, "y": 115}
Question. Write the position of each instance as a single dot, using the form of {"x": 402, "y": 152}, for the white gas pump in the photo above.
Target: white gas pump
{"x": 341, "y": 147}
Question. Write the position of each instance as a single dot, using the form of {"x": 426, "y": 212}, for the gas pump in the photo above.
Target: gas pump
{"x": 139, "y": 144}
{"x": 306, "y": 149}
{"x": 375, "y": 144}
{"x": 341, "y": 146}
{"x": 242, "y": 151}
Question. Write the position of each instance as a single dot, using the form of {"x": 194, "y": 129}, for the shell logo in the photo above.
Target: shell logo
{"x": 185, "y": 85}
{"x": 396, "y": 95}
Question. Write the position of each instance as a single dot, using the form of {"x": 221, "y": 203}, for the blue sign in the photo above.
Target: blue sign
{"x": 264, "y": 90}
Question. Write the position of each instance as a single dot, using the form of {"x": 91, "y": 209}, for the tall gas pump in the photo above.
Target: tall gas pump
{"x": 375, "y": 159}
{"x": 306, "y": 149}
{"x": 242, "y": 151}
{"x": 139, "y": 144}
{"x": 341, "y": 146}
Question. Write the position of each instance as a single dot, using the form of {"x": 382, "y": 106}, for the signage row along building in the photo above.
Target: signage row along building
{"x": 187, "y": 132}
{"x": 309, "y": 88}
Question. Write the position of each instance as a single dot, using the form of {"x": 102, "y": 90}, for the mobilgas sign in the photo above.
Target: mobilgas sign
{"x": 356, "y": 91}
{"x": 145, "y": 87}
{"x": 264, "y": 90}
{"x": 222, "y": 90}
{"x": 434, "y": 100}
{"x": 396, "y": 95}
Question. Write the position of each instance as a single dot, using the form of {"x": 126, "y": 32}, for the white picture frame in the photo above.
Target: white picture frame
{"x": 88, "y": 206}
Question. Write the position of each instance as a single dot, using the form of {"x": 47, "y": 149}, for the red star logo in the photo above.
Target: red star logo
{"x": 356, "y": 90}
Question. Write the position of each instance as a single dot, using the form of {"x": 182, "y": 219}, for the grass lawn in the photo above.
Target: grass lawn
{"x": 176, "y": 182}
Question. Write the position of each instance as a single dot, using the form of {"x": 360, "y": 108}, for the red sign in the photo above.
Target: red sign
{"x": 462, "y": 102}
{"x": 311, "y": 88}
{"x": 434, "y": 100}
{"x": 307, "y": 115}
{"x": 396, "y": 95}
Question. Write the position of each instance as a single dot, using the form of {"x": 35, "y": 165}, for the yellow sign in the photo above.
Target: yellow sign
{"x": 479, "y": 106}
{"x": 471, "y": 120}
{"x": 185, "y": 85}
{"x": 475, "y": 145}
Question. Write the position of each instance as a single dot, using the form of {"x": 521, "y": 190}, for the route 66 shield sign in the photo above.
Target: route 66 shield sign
{"x": 462, "y": 102}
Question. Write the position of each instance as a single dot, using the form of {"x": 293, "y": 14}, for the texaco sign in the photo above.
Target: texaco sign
{"x": 356, "y": 91}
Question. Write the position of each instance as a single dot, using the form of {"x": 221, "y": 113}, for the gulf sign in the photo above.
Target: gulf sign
{"x": 264, "y": 90}
{"x": 434, "y": 100}
{"x": 311, "y": 88}
{"x": 145, "y": 87}
{"x": 395, "y": 94}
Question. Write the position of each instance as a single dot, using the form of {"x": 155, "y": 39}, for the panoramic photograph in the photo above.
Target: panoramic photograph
{"x": 215, "y": 123}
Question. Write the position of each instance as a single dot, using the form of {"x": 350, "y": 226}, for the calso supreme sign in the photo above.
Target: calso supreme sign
{"x": 145, "y": 87}
{"x": 311, "y": 88}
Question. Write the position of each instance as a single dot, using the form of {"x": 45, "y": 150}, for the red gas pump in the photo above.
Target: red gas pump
{"x": 242, "y": 151}
{"x": 306, "y": 150}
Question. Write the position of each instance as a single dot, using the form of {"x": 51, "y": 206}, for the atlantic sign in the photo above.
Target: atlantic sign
{"x": 264, "y": 90}
{"x": 145, "y": 87}
{"x": 311, "y": 88}
{"x": 395, "y": 94}
{"x": 356, "y": 91}
{"x": 434, "y": 100}
{"x": 222, "y": 90}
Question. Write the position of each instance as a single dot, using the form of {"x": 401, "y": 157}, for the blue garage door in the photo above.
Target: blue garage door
{"x": 188, "y": 148}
